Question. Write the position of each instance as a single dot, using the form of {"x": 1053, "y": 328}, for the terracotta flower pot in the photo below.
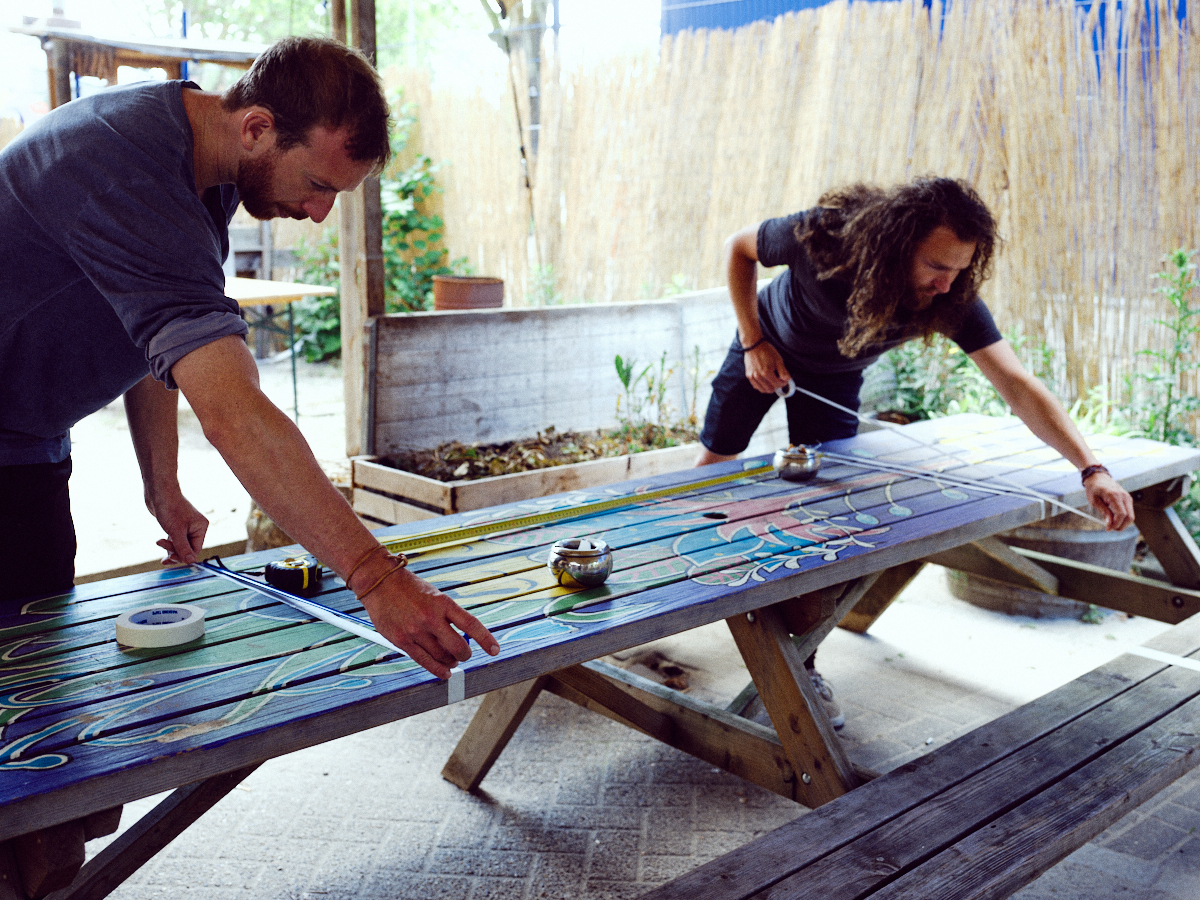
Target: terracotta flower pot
{"x": 467, "y": 292}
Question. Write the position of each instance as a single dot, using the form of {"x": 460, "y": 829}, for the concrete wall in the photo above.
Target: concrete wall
{"x": 495, "y": 375}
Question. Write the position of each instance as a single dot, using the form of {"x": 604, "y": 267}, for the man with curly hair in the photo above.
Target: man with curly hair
{"x": 869, "y": 269}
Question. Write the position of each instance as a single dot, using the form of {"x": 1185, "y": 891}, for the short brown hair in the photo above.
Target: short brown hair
{"x": 867, "y": 236}
{"x": 310, "y": 81}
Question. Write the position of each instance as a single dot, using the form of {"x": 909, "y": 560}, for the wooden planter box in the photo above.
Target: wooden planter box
{"x": 391, "y": 496}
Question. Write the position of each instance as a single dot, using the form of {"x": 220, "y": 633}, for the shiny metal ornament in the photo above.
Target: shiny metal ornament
{"x": 580, "y": 562}
{"x": 798, "y": 462}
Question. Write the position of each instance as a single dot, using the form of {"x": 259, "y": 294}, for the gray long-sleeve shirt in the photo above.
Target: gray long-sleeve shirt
{"x": 111, "y": 262}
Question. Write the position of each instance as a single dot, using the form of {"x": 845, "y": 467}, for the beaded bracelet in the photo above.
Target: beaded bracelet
{"x": 401, "y": 563}
{"x": 1092, "y": 470}
{"x": 752, "y": 346}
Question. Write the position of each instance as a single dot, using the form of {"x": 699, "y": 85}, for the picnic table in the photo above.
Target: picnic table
{"x": 88, "y": 724}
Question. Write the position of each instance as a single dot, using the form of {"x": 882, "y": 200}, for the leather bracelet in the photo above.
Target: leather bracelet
{"x": 401, "y": 563}
{"x": 362, "y": 559}
{"x": 752, "y": 346}
{"x": 1087, "y": 473}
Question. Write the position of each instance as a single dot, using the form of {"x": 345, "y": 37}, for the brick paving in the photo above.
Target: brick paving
{"x": 579, "y": 807}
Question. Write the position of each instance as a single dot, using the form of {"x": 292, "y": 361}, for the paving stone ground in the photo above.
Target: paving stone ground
{"x": 579, "y": 807}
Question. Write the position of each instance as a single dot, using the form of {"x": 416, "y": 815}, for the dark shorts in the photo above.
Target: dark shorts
{"x": 37, "y": 535}
{"x": 736, "y": 408}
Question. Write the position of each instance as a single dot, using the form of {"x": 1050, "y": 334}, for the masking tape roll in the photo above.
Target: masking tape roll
{"x": 160, "y": 626}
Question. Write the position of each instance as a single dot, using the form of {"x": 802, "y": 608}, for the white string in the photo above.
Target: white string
{"x": 792, "y": 387}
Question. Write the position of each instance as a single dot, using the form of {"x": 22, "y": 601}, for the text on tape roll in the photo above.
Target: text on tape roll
{"x": 165, "y": 625}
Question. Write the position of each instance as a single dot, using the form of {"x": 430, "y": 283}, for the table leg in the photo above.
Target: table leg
{"x": 886, "y": 589}
{"x": 778, "y": 671}
{"x": 1164, "y": 533}
{"x": 148, "y": 835}
{"x": 490, "y": 730}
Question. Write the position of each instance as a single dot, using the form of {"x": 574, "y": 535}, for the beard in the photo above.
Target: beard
{"x": 254, "y": 180}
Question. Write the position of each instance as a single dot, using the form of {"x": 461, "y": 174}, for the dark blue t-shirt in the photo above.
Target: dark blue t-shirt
{"x": 805, "y": 318}
{"x": 112, "y": 262}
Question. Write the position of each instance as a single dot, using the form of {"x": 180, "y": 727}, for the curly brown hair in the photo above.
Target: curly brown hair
{"x": 867, "y": 236}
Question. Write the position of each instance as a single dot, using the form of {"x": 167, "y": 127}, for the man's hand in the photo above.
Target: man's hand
{"x": 1110, "y": 499}
{"x": 765, "y": 368}
{"x": 185, "y": 526}
{"x": 420, "y": 620}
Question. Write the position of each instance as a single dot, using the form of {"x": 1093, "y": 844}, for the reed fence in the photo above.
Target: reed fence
{"x": 1079, "y": 132}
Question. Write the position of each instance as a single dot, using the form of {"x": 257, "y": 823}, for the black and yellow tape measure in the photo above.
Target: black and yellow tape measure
{"x": 299, "y": 575}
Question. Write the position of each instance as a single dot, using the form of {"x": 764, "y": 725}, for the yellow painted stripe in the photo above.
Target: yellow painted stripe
{"x": 445, "y": 537}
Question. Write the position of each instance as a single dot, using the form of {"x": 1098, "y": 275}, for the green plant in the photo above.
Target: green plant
{"x": 319, "y": 319}
{"x": 543, "y": 288}
{"x": 644, "y": 411}
{"x": 1162, "y": 408}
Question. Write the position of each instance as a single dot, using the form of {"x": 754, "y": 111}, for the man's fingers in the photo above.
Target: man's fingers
{"x": 427, "y": 662}
{"x": 475, "y": 630}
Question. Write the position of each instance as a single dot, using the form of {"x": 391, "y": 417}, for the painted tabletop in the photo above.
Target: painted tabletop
{"x": 88, "y": 724}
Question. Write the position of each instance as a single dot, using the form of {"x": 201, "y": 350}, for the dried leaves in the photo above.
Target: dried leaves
{"x": 455, "y": 461}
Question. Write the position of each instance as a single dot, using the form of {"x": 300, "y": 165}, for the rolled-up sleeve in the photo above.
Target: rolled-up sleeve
{"x": 155, "y": 256}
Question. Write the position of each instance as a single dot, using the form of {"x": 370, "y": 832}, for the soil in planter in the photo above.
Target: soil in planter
{"x": 455, "y": 461}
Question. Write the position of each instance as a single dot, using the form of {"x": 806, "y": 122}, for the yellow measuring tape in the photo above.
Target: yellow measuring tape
{"x": 445, "y": 537}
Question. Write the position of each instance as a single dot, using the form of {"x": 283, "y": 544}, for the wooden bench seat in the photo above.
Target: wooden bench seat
{"x": 988, "y": 813}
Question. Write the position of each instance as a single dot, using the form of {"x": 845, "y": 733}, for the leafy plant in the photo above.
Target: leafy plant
{"x": 644, "y": 411}
{"x": 543, "y": 288}
{"x": 1163, "y": 407}
{"x": 319, "y": 319}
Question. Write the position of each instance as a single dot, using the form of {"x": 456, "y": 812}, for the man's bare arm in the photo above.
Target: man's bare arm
{"x": 269, "y": 455}
{"x": 764, "y": 365}
{"x": 1039, "y": 409}
{"x": 153, "y": 414}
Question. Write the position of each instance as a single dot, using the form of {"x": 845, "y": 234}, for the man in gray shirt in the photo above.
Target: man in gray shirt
{"x": 113, "y": 217}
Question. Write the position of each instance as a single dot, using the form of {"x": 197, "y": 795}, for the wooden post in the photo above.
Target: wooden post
{"x": 360, "y": 244}
{"x": 58, "y": 54}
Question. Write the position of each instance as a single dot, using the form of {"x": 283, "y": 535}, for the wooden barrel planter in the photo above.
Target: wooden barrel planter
{"x": 1067, "y": 535}
{"x": 467, "y": 292}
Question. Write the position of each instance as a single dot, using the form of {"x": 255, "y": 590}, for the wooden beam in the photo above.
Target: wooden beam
{"x": 787, "y": 693}
{"x": 885, "y": 589}
{"x": 360, "y": 244}
{"x": 149, "y": 834}
{"x": 1170, "y": 543}
{"x": 992, "y": 558}
{"x": 1164, "y": 494}
{"x": 493, "y": 725}
{"x": 1118, "y": 590}
{"x": 59, "y": 72}
{"x": 739, "y": 746}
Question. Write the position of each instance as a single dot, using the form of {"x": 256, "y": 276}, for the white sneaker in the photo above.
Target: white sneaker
{"x": 832, "y": 711}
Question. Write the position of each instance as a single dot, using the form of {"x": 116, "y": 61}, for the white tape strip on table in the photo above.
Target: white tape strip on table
{"x": 456, "y": 687}
{"x": 165, "y": 625}
{"x": 1170, "y": 659}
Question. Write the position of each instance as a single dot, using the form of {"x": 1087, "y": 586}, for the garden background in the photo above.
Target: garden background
{"x": 1076, "y": 125}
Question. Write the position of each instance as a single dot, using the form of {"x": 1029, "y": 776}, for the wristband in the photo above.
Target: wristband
{"x": 752, "y": 346}
{"x": 1092, "y": 470}
{"x": 362, "y": 559}
{"x": 401, "y": 563}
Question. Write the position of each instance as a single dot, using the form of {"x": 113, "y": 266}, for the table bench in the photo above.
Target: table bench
{"x": 991, "y": 811}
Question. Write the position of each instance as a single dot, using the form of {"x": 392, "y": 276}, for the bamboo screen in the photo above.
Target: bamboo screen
{"x": 1083, "y": 147}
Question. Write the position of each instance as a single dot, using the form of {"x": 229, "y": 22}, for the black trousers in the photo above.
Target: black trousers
{"x": 37, "y": 535}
